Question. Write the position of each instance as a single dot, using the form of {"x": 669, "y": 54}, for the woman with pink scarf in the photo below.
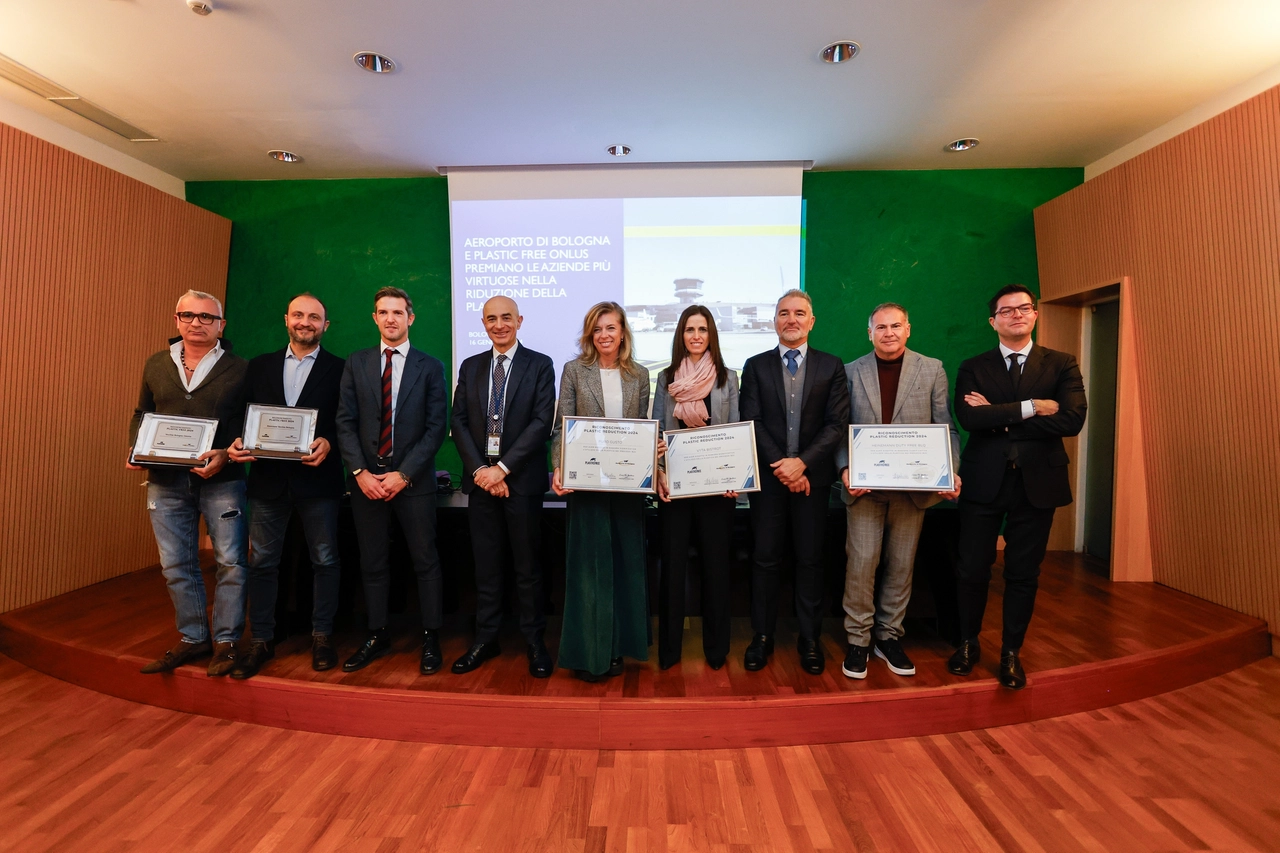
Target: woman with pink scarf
{"x": 696, "y": 390}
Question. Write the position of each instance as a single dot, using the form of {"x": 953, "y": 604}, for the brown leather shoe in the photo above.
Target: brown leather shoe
{"x": 323, "y": 656}
{"x": 260, "y": 651}
{"x": 224, "y": 659}
{"x": 177, "y": 656}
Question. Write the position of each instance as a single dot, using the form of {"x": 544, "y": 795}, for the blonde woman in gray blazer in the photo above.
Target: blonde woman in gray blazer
{"x": 606, "y": 612}
{"x": 696, "y": 390}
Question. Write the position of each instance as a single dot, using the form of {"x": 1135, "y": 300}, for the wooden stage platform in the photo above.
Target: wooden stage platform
{"x": 1092, "y": 644}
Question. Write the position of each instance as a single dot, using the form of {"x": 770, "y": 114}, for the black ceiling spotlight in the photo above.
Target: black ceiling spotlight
{"x": 284, "y": 156}
{"x": 962, "y": 144}
{"x": 618, "y": 150}
{"x": 375, "y": 63}
{"x": 840, "y": 51}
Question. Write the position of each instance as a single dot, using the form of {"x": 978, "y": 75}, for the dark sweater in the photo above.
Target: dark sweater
{"x": 220, "y": 395}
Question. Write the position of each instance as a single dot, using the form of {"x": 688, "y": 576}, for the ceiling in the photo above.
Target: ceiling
{"x": 498, "y": 82}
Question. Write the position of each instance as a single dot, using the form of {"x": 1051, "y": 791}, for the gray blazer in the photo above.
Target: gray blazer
{"x": 722, "y": 405}
{"x": 922, "y": 399}
{"x": 582, "y": 394}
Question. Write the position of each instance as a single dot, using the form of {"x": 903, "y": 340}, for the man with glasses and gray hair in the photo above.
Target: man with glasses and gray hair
{"x": 197, "y": 376}
{"x": 1017, "y": 402}
{"x": 889, "y": 385}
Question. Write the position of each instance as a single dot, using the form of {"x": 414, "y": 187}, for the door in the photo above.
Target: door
{"x": 1100, "y": 451}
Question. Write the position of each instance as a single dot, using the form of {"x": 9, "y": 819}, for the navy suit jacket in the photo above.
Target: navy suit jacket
{"x": 526, "y": 425}
{"x": 270, "y": 479}
{"x": 421, "y": 415}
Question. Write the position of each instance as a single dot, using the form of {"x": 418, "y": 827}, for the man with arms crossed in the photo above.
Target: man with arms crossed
{"x": 799, "y": 401}
{"x": 391, "y": 422}
{"x": 1017, "y": 402}
{"x": 502, "y": 416}
{"x": 197, "y": 376}
{"x": 891, "y": 385}
{"x": 302, "y": 374}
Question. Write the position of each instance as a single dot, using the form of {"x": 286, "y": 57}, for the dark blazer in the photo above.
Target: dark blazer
{"x": 1047, "y": 375}
{"x": 526, "y": 424}
{"x": 220, "y": 395}
{"x": 270, "y": 479}
{"x": 824, "y": 414}
{"x": 421, "y": 415}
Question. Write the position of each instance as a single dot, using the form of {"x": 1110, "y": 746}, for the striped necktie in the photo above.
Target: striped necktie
{"x": 384, "y": 443}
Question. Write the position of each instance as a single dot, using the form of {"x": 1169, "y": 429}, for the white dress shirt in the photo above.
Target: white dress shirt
{"x": 506, "y": 383}
{"x": 397, "y": 370}
{"x": 202, "y": 369}
{"x": 296, "y": 371}
{"x": 804, "y": 351}
{"x": 1028, "y": 407}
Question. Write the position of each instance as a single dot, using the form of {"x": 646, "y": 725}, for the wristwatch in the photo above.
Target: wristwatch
{"x": 356, "y": 472}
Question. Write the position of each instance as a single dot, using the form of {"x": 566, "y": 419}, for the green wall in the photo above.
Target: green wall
{"x": 938, "y": 242}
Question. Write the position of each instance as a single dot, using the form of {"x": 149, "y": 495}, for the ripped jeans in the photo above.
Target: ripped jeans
{"x": 175, "y": 518}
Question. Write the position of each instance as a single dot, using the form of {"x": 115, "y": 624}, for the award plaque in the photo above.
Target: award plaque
{"x": 279, "y": 432}
{"x": 608, "y": 454}
{"x": 173, "y": 440}
{"x": 901, "y": 457}
{"x": 712, "y": 460}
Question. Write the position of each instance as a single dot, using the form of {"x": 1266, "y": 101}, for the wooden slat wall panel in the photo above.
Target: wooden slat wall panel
{"x": 91, "y": 262}
{"x": 1195, "y": 224}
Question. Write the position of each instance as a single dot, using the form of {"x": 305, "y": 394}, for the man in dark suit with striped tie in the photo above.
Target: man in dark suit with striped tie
{"x": 391, "y": 422}
{"x": 503, "y": 410}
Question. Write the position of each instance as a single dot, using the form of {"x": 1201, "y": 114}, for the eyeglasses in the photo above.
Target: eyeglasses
{"x": 190, "y": 317}
{"x": 1024, "y": 309}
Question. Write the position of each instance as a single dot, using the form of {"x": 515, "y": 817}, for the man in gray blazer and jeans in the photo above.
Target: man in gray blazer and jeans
{"x": 891, "y": 385}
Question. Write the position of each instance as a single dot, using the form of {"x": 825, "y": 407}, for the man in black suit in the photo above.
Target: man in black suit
{"x": 306, "y": 376}
{"x": 502, "y": 416}
{"x": 1017, "y": 402}
{"x": 391, "y": 422}
{"x": 799, "y": 400}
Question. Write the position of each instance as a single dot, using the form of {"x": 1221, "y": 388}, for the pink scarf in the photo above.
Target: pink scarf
{"x": 692, "y": 384}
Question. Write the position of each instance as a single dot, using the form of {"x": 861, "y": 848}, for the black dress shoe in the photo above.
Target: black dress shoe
{"x": 377, "y": 645}
{"x": 323, "y": 657}
{"x": 178, "y": 655}
{"x": 540, "y": 665}
{"x": 432, "y": 660}
{"x": 715, "y": 663}
{"x": 758, "y": 652}
{"x": 615, "y": 667}
{"x": 476, "y": 655}
{"x": 260, "y": 651}
{"x": 965, "y": 658}
{"x": 589, "y": 677}
{"x": 811, "y": 659}
{"x": 1011, "y": 674}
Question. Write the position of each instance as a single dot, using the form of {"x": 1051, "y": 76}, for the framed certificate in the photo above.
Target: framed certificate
{"x": 279, "y": 432}
{"x": 712, "y": 460}
{"x": 901, "y": 457}
{"x": 173, "y": 440}
{"x": 608, "y": 454}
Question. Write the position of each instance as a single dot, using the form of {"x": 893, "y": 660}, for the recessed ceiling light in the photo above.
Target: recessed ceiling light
{"x": 962, "y": 144}
{"x": 284, "y": 156}
{"x": 840, "y": 51}
{"x": 618, "y": 150}
{"x": 375, "y": 62}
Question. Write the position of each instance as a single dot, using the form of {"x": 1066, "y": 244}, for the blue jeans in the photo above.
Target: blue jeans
{"x": 175, "y": 518}
{"x": 267, "y": 528}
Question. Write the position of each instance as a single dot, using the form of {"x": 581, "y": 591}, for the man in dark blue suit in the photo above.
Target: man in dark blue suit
{"x": 307, "y": 376}
{"x": 503, "y": 410}
{"x": 391, "y": 422}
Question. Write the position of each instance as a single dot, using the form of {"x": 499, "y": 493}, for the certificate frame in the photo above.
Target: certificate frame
{"x": 173, "y": 440}
{"x": 579, "y": 456}
{"x": 741, "y": 434}
{"x": 257, "y": 441}
{"x": 930, "y": 468}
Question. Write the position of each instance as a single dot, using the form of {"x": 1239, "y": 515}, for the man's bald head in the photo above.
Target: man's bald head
{"x": 502, "y": 320}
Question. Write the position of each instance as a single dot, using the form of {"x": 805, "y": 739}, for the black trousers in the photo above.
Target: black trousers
{"x": 500, "y": 526}
{"x": 806, "y": 516}
{"x": 1026, "y": 534}
{"x": 417, "y": 514}
{"x": 712, "y": 519}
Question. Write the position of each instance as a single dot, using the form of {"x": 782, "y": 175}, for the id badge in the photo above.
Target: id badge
{"x": 492, "y": 446}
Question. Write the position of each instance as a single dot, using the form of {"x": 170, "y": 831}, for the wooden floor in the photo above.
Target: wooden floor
{"x": 1093, "y": 644}
{"x": 1196, "y": 769}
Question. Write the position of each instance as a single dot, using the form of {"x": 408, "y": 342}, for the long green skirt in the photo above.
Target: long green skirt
{"x": 606, "y": 613}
